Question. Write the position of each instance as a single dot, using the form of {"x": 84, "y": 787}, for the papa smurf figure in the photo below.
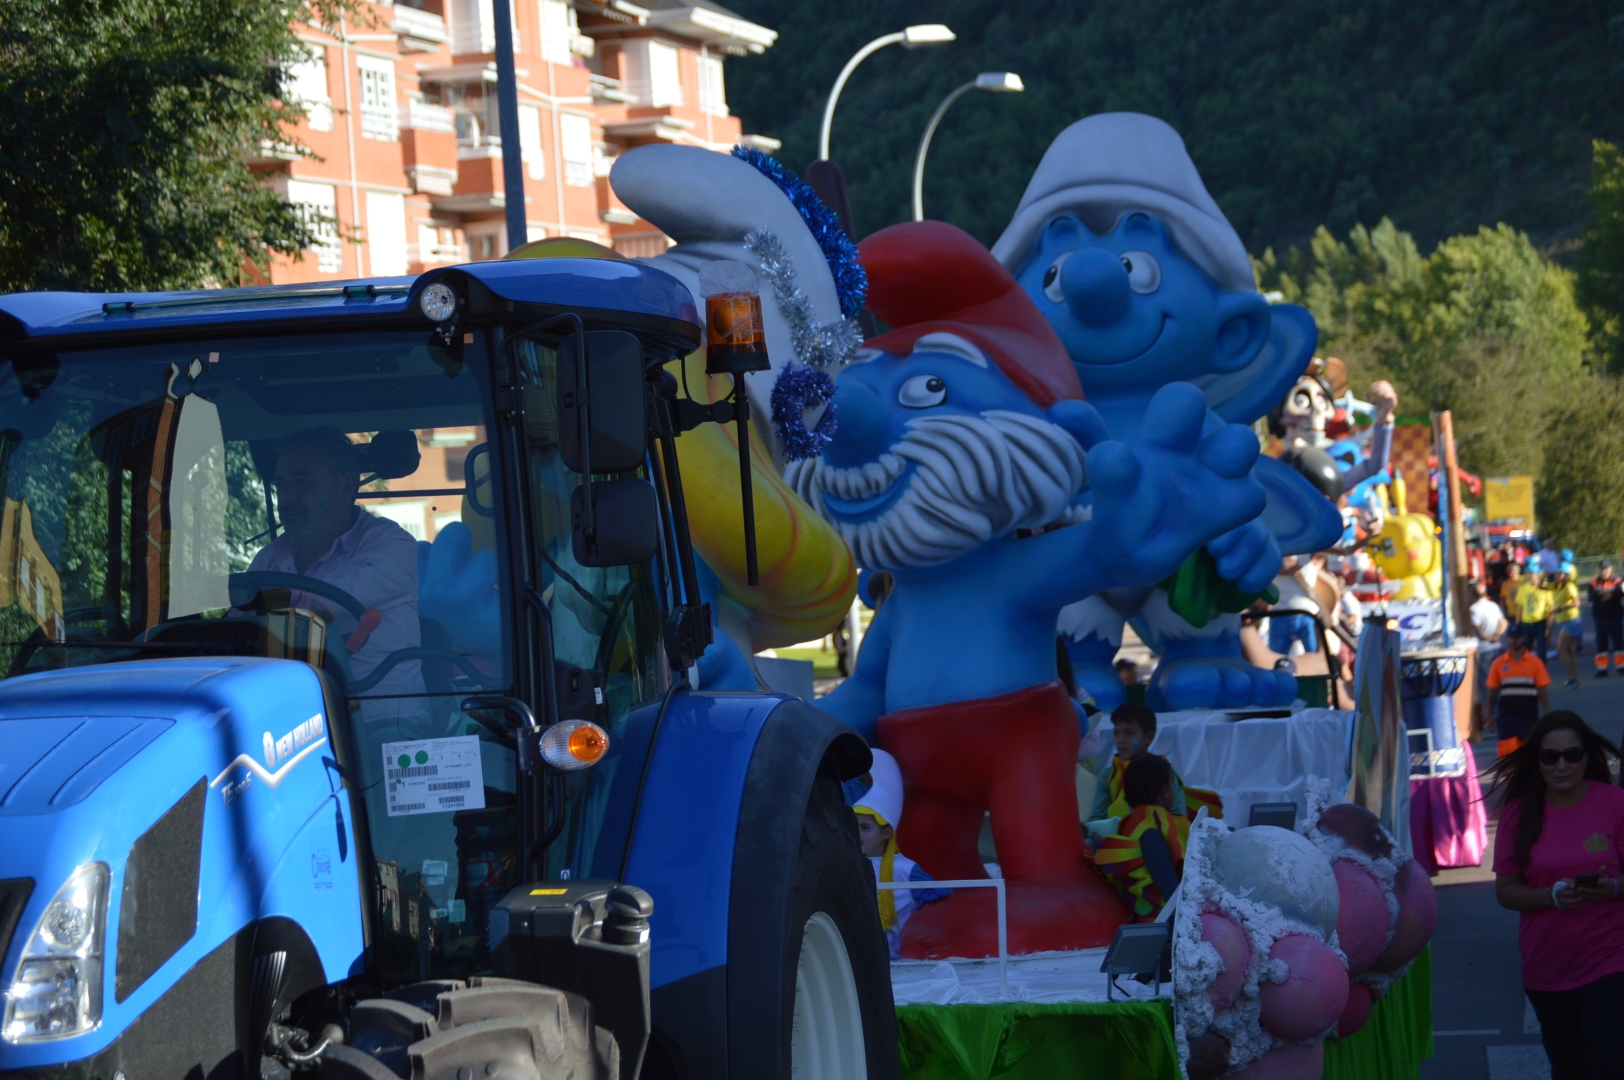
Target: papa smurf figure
{"x": 1125, "y": 253}
{"x": 962, "y": 450}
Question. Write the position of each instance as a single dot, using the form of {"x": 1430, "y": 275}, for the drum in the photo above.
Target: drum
{"x": 1429, "y": 678}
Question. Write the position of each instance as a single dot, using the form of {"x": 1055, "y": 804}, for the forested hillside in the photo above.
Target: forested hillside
{"x": 1439, "y": 114}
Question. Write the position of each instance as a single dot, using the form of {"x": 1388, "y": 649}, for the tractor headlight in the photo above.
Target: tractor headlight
{"x": 438, "y": 302}
{"x": 57, "y": 989}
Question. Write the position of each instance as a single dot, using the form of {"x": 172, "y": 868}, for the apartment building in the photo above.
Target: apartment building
{"x": 401, "y": 116}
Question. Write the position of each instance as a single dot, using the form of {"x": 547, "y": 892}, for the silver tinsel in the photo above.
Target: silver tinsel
{"x": 826, "y": 346}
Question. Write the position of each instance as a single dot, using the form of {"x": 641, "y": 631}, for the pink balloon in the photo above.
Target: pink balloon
{"x": 1236, "y": 952}
{"x": 1357, "y": 1011}
{"x": 1313, "y": 995}
{"x": 1361, "y": 921}
{"x": 1286, "y": 1063}
{"x": 1417, "y": 918}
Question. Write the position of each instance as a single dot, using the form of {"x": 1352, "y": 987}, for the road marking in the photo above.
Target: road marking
{"x": 1518, "y": 1063}
{"x": 1474, "y": 1031}
{"x": 1530, "y": 1021}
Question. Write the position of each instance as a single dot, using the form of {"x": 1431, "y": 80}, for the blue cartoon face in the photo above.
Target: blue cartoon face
{"x": 937, "y": 453}
{"x": 1133, "y": 311}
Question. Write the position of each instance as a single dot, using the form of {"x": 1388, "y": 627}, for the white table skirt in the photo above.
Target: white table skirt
{"x": 1256, "y": 761}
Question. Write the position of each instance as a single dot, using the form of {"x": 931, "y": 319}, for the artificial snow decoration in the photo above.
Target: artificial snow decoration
{"x": 827, "y": 346}
{"x": 851, "y": 280}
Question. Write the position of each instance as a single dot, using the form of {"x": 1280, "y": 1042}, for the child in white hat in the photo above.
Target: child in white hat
{"x": 879, "y": 813}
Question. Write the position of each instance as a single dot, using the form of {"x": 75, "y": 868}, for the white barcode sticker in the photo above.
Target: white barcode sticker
{"x": 429, "y": 776}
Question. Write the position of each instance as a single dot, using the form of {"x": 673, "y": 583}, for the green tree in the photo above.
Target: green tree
{"x": 1579, "y": 494}
{"x": 126, "y": 138}
{"x": 1444, "y": 114}
{"x": 1601, "y": 259}
{"x": 1483, "y": 326}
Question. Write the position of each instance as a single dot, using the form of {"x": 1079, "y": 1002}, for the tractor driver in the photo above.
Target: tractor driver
{"x": 327, "y": 536}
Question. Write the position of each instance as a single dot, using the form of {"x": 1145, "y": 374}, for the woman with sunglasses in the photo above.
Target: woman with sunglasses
{"x": 1557, "y": 860}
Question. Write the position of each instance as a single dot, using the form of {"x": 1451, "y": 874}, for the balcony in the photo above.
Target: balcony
{"x": 474, "y": 139}
{"x": 606, "y": 89}
{"x": 421, "y": 116}
{"x": 380, "y": 124}
{"x": 418, "y": 31}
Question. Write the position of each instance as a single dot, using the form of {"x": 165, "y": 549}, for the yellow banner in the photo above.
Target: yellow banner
{"x": 1509, "y": 498}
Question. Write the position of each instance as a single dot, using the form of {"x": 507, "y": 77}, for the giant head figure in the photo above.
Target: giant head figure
{"x": 1127, "y": 256}
{"x": 967, "y": 465}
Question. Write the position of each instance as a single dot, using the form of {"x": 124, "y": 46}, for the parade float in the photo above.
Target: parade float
{"x": 956, "y": 454}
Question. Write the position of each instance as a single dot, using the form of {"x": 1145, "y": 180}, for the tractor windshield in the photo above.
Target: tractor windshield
{"x": 336, "y": 499}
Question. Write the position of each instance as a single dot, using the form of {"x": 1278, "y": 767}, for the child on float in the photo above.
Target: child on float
{"x": 1134, "y": 729}
{"x": 879, "y": 814}
{"x": 1144, "y": 858}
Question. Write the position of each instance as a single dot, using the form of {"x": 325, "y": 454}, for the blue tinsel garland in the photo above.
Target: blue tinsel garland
{"x": 851, "y": 280}
{"x": 800, "y": 388}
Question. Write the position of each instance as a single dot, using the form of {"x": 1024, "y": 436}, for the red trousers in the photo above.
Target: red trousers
{"x": 1015, "y": 755}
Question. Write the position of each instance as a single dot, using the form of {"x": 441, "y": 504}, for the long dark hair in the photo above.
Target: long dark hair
{"x": 1518, "y": 776}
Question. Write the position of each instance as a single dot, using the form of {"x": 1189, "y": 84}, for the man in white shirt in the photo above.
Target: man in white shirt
{"x": 1550, "y": 559}
{"x": 327, "y": 536}
{"x": 1489, "y": 624}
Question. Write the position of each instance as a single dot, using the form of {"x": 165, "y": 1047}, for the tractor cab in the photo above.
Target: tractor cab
{"x": 385, "y": 482}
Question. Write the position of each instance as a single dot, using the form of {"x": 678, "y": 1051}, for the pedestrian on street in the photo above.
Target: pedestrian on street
{"x": 1508, "y": 590}
{"x": 1567, "y": 623}
{"x": 1518, "y": 691}
{"x": 1534, "y": 610}
{"x": 1607, "y": 612}
{"x": 1490, "y": 625}
{"x": 1557, "y": 861}
{"x": 1549, "y": 558}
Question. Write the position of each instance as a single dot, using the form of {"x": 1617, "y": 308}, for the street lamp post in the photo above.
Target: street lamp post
{"x": 507, "y": 105}
{"x": 911, "y": 38}
{"x": 994, "y": 82}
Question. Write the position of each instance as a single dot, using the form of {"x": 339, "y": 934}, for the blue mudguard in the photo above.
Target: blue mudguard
{"x": 705, "y": 811}
{"x": 234, "y": 760}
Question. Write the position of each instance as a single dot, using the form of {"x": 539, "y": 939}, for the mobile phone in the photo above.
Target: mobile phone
{"x": 1586, "y": 881}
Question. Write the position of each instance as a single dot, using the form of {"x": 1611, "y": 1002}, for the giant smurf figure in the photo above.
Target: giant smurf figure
{"x": 1125, "y": 253}
{"x": 962, "y": 449}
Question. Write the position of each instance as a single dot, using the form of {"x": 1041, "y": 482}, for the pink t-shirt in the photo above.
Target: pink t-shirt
{"x": 1564, "y": 950}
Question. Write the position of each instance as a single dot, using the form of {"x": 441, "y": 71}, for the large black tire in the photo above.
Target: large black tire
{"x": 803, "y": 891}
{"x": 833, "y": 897}
{"x": 490, "y": 1029}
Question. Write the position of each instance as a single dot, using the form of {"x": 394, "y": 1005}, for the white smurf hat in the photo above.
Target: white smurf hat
{"x": 884, "y": 799}
{"x": 1105, "y": 165}
{"x": 708, "y": 203}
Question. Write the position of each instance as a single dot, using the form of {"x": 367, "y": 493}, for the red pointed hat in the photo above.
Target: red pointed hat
{"x": 929, "y": 277}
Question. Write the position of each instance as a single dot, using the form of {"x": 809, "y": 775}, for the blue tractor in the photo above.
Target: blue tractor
{"x": 344, "y": 726}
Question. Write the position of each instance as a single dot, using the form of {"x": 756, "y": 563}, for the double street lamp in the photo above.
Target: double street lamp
{"x": 911, "y": 38}
{"x": 994, "y": 82}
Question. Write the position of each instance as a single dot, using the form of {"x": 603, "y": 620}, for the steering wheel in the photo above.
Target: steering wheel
{"x": 245, "y": 586}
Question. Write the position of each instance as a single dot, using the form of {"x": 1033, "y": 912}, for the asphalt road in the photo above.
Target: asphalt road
{"x": 1482, "y": 1027}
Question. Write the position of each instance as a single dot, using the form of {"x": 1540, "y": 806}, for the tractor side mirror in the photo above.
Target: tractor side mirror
{"x": 603, "y": 428}
{"x": 625, "y": 520}
{"x": 615, "y": 402}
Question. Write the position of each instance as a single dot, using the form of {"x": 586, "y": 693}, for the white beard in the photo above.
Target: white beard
{"x": 977, "y": 477}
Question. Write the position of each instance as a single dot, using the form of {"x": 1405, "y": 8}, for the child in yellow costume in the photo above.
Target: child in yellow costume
{"x": 1134, "y": 726}
{"x": 1144, "y": 859}
{"x": 879, "y": 812}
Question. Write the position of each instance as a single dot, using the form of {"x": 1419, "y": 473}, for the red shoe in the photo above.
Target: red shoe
{"x": 1041, "y": 917}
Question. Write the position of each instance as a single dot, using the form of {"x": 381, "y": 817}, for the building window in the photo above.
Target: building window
{"x": 379, "y": 117}
{"x": 576, "y": 132}
{"x": 305, "y": 84}
{"x": 473, "y": 26}
{"x": 437, "y": 243}
{"x": 712, "y": 91}
{"x": 558, "y": 29}
{"x": 652, "y": 74}
{"x": 318, "y": 206}
{"x": 530, "y": 142}
{"x": 386, "y": 234}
